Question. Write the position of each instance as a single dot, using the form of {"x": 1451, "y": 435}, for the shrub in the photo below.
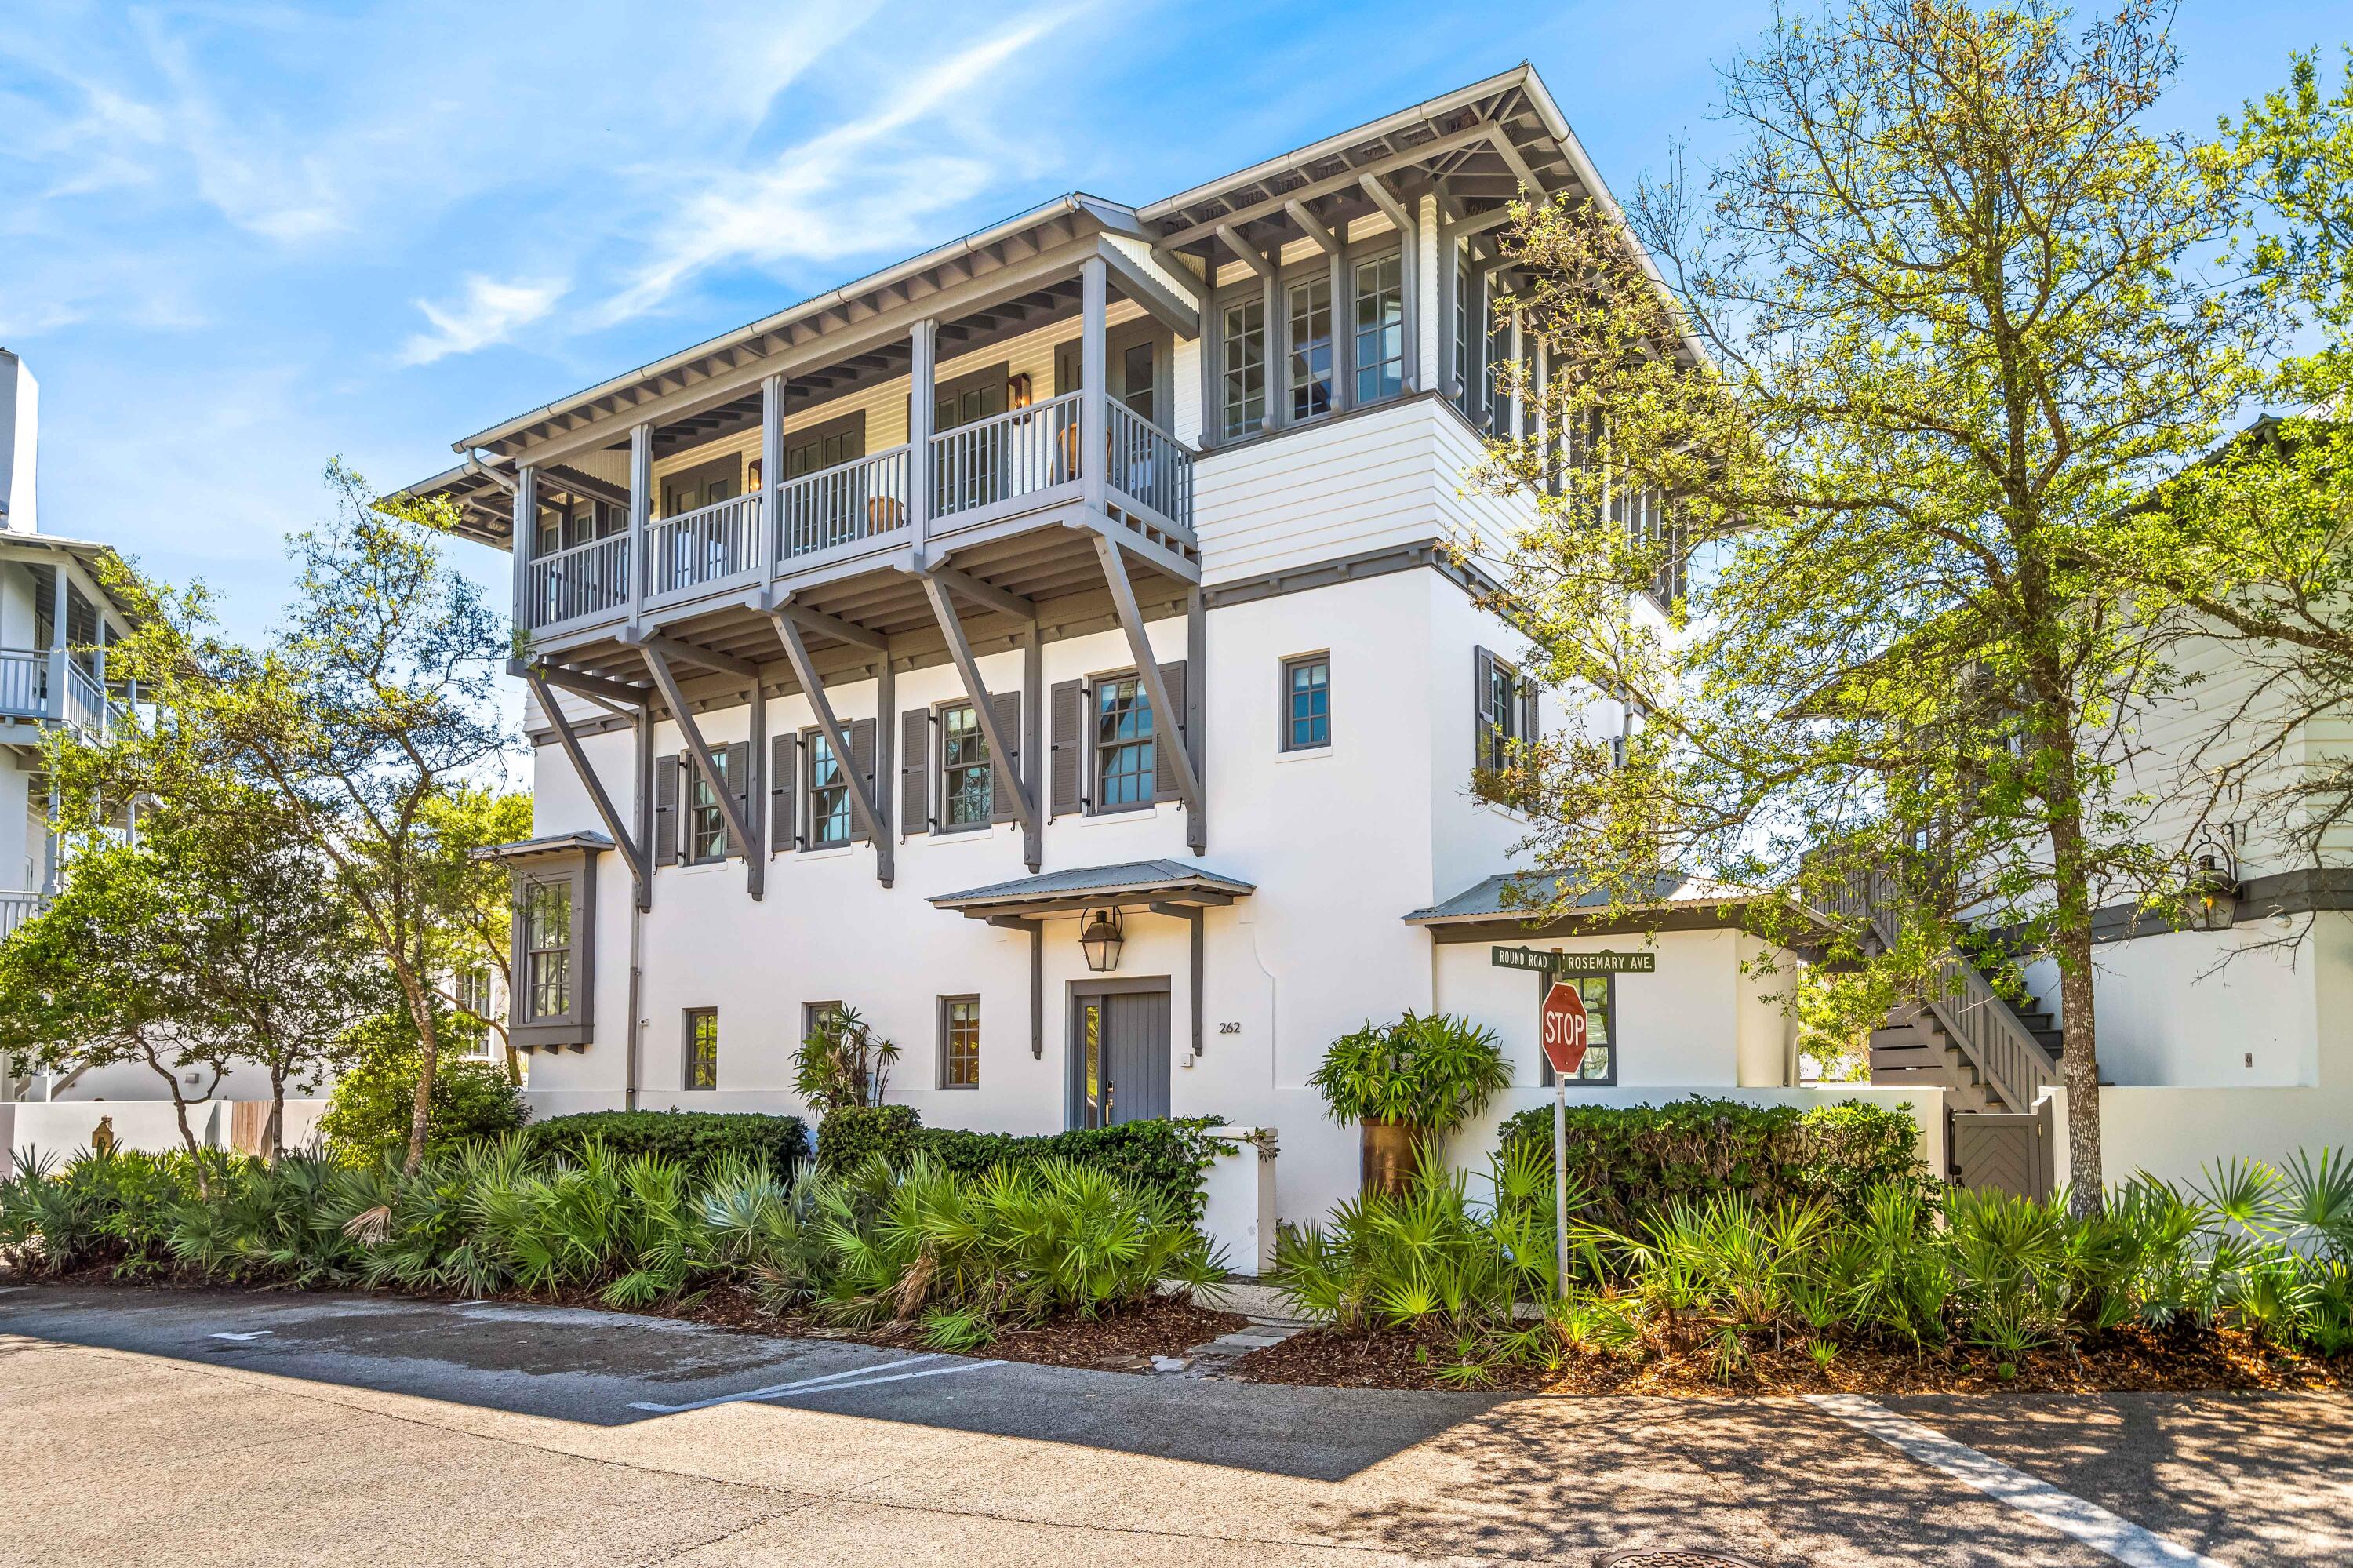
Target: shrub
{"x": 695, "y": 1140}
{"x": 368, "y": 1111}
{"x": 1636, "y": 1160}
{"x": 843, "y": 1063}
{"x": 1436, "y": 1072}
{"x": 1157, "y": 1156}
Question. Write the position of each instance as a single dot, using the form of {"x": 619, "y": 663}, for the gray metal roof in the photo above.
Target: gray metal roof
{"x": 1131, "y": 877}
{"x": 592, "y": 844}
{"x": 1523, "y": 894}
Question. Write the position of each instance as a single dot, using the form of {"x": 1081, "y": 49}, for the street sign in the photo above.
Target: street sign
{"x": 1601, "y": 963}
{"x": 1563, "y": 1019}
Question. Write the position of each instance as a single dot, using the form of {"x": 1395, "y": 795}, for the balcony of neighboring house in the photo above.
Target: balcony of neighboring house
{"x": 56, "y": 622}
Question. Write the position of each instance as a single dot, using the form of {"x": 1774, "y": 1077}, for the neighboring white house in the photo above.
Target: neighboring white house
{"x": 1098, "y": 719}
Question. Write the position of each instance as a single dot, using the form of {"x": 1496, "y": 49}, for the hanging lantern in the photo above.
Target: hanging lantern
{"x": 2213, "y": 890}
{"x": 1099, "y": 936}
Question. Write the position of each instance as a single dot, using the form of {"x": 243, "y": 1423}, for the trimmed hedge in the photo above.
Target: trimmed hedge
{"x": 1165, "y": 1155}
{"x": 695, "y": 1139}
{"x": 1635, "y": 1160}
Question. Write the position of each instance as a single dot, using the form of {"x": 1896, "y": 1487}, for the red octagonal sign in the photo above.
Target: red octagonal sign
{"x": 1563, "y": 1022}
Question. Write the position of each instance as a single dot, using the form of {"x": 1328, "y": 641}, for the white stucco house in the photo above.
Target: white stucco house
{"x": 1049, "y": 646}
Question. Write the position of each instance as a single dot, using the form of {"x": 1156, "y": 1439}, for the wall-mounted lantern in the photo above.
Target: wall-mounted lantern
{"x": 1099, "y": 936}
{"x": 2213, "y": 888}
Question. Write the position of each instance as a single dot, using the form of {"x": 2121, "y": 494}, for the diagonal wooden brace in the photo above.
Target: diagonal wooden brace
{"x": 755, "y": 860}
{"x": 1147, "y": 670}
{"x": 631, "y": 851}
{"x": 861, "y": 802}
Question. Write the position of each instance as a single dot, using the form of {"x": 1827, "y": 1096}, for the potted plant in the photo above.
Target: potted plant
{"x": 1407, "y": 1082}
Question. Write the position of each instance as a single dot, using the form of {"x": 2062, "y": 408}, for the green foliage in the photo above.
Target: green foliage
{"x": 1635, "y": 1160}
{"x": 1165, "y": 1156}
{"x": 842, "y": 1063}
{"x": 1432, "y": 1070}
{"x": 950, "y": 1256}
{"x": 697, "y": 1142}
{"x": 369, "y": 1111}
{"x": 2269, "y": 1251}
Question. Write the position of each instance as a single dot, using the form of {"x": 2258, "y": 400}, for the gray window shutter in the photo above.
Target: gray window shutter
{"x": 739, "y": 784}
{"x": 783, "y": 831}
{"x": 666, "y": 834}
{"x": 1068, "y": 707}
{"x": 861, "y": 770}
{"x": 1483, "y": 722}
{"x": 915, "y": 771}
{"x": 1528, "y": 714}
{"x": 1002, "y": 770}
{"x": 1167, "y": 730}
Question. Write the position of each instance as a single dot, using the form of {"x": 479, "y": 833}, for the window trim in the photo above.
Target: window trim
{"x": 1545, "y": 1075}
{"x": 692, "y": 779}
{"x": 943, "y": 1012}
{"x": 1092, "y": 794}
{"x": 1283, "y": 717}
{"x": 576, "y": 869}
{"x": 688, "y": 1017}
{"x": 806, "y": 762}
{"x": 938, "y": 782}
{"x": 1376, "y": 250}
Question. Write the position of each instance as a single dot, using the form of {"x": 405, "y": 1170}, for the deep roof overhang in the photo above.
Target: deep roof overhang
{"x": 1128, "y": 884}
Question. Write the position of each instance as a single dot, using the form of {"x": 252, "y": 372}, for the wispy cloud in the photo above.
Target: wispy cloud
{"x": 872, "y": 183}
{"x": 490, "y": 311}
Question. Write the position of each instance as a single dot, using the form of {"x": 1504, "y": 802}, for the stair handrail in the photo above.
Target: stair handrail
{"x": 1979, "y": 1019}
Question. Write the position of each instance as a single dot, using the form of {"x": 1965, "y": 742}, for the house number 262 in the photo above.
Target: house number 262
{"x": 1230, "y": 1028}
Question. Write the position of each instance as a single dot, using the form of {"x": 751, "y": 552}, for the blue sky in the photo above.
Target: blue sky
{"x": 238, "y": 239}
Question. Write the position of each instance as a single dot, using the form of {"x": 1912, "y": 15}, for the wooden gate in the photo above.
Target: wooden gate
{"x": 2008, "y": 1151}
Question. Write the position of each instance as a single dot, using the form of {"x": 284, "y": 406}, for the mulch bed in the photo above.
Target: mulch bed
{"x": 2130, "y": 1359}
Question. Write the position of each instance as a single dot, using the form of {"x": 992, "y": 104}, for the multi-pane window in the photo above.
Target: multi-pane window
{"x": 1093, "y": 1086}
{"x": 547, "y": 947}
{"x": 474, "y": 992}
{"x": 1599, "y": 994}
{"x": 702, "y": 1047}
{"x": 1650, "y": 522}
{"x": 706, "y": 822}
{"x": 1122, "y": 743}
{"x": 959, "y": 1041}
{"x": 1466, "y": 317}
{"x": 1135, "y": 380}
{"x": 818, "y": 1015}
{"x": 1380, "y": 327}
{"x": 1499, "y": 354}
{"x": 1310, "y": 377}
{"x": 1244, "y": 342}
{"x": 1307, "y": 702}
{"x": 1499, "y": 714}
{"x": 828, "y": 793}
{"x": 965, "y": 781}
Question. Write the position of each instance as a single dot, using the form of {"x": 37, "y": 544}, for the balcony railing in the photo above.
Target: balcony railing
{"x": 705, "y": 545}
{"x": 15, "y": 908}
{"x": 24, "y": 683}
{"x": 586, "y": 579}
{"x": 1149, "y": 466}
{"x": 1014, "y": 453}
{"x": 856, "y": 500}
{"x": 987, "y": 469}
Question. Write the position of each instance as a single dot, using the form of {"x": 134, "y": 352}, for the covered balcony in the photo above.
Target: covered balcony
{"x": 56, "y": 622}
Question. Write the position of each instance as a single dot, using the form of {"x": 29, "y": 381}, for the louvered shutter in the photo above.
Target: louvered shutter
{"x": 1005, "y": 706}
{"x": 738, "y": 763}
{"x": 782, "y": 769}
{"x": 915, "y": 771}
{"x": 1067, "y": 706}
{"x": 1530, "y": 729}
{"x": 665, "y": 810}
{"x": 1168, "y": 730}
{"x": 1482, "y": 719}
{"x": 862, "y": 770}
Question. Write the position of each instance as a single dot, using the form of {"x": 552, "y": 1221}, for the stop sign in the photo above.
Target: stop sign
{"x": 1563, "y": 1022}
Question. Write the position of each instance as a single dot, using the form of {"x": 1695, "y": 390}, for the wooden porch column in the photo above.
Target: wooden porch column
{"x": 1519, "y": 381}
{"x": 105, "y": 705}
{"x": 923, "y": 357}
{"x": 1094, "y": 373}
{"x": 526, "y": 537}
{"x": 1544, "y": 416}
{"x": 641, "y": 511}
{"x": 57, "y": 592}
{"x": 769, "y": 547}
{"x": 1213, "y": 345}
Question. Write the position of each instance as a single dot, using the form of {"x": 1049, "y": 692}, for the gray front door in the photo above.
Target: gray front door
{"x": 1119, "y": 1058}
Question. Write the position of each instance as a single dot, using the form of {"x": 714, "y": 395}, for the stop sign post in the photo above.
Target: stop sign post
{"x": 1562, "y": 1021}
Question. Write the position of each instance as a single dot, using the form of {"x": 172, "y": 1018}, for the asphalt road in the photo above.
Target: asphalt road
{"x": 143, "y": 1426}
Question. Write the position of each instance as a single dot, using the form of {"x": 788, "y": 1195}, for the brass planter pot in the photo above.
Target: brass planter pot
{"x": 1391, "y": 1155}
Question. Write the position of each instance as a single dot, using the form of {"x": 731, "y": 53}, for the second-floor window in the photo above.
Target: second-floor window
{"x": 706, "y": 822}
{"x": 1502, "y": 710}
{"x": 547, "y": 943}
{"x": 1307, "y": 702}
{"x": 1380, "y": 326}
{"x": 828, "y": 793}
{"x": 1310, "y": 377}
{"x": 1243, "y": 343}
{"x": 965, "y": 774}
{"x": 1123, "y": 723}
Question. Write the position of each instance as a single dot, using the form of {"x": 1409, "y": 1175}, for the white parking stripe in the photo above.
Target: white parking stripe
{"x": 771, "y": 1392}
{"x": 2088, "y": 1522}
